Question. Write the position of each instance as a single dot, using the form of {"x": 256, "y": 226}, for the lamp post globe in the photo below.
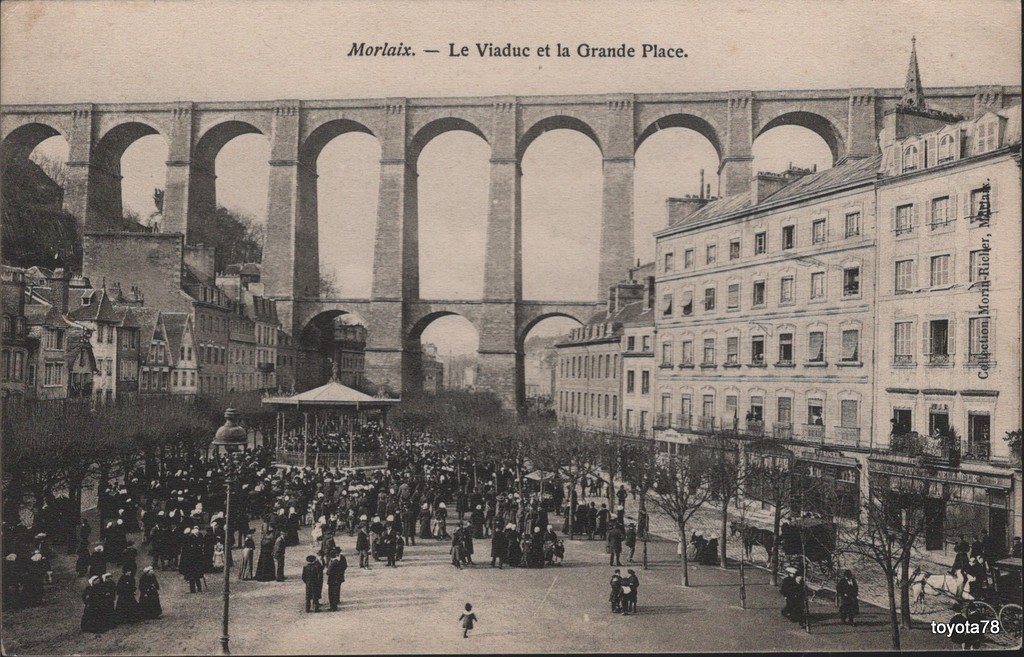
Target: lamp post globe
{"x": 230, "y": 436}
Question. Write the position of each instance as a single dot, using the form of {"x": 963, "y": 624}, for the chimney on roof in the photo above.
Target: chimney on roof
{"x": 623, "y": 293}
{"x": 59, "y": 282}
{"x": 680, "y": 208}
{"x": 649, "y": 292}
{"x": 702, "y": 183}
{"x": 764, "y": 184}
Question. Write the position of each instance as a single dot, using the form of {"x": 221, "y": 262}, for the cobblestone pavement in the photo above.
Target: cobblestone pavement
{"x": 415, "y": 607}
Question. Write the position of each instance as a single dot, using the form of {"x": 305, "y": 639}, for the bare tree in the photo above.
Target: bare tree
{"x": 892, "y": 520}
{"x": 768, "y": 478}
{"x": 726, "y": 479}
{"x": 573, "y": 454}
{"x": 681, "y": 488}
{"x": 639, "y": 467}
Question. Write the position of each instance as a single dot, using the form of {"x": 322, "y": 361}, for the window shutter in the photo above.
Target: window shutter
{"x": 951, "y": 337}
{"x": 926, "y": 347}
{"x": 913, "y": 216}
{"x": 892, "y": 220}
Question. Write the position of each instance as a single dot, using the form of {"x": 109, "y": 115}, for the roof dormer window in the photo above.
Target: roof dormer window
{"x": 909, "y": 159}
{"x": 987, "y": 137}
{"x": 946, "y": 152}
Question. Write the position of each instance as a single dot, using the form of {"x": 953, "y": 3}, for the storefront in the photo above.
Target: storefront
{"x": 966, "y": 503}
{"x": 826, "y": 482}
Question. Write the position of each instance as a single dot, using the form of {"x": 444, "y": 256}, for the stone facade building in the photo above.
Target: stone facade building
{"x": 14, "y": 385}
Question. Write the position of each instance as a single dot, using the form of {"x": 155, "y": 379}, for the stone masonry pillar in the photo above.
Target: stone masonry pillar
{"x": 499, "y": 351}
{"x": 288, "y": 270}
{"x": 617, "y": 196}
{"x": 179, "y": 171}
{"x": 737, "y": 167}
{"x": 861, "y": 129}
{"x": 80, "y": 175}
{"x": 395, "y": 257}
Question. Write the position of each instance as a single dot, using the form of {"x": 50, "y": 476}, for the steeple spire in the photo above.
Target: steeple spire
{"x": 913, "y": 93}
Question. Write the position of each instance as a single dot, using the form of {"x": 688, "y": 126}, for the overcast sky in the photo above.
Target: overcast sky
{"x": 163, "y": 51}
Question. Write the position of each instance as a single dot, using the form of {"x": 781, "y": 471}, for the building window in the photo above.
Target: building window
{"x": 785, "y": 348}
{"x": 818, "y": 285}
{"x": 851, "y": 281}
{"x": 852, "y": 224}
{"x": 709, "y": 351}
{"x": 979, "y": 330}
{"x": 733, "y": 299}
{"x": 903, "y": 353}
{"x": 939, "y": 341}
{"x": 647, "y": 342}
{"x": 687, "y": 302}
{"x": 904, "y": 219}
{"x": 851, "y": 346}
{"x": 818, "y": 232}
{"x": 816, "y": 347}
{"x": 904, "y": 275}
{"x": 709, "y": 298}
{"x": 786, "y": 290}
{"x": 815, "y": 412}
{"x": 732, "y": 409}
{"x": 760, "y": 243}
{"x": 734, "y": 250}
{"x": 687, "y": 355}
{"x": 940, "y": 212}
{"x": 757, "y": 350}
{"x": 688, "y": 259}
{"x": 986, "y": 138}
{"x": 940, "y": 270}
{"x": 631, "y": 343}
{"x": 979, "y": 430}
{"x": 711, "y": 255}
{"x": 645, "y": 382}
{"x": 788, "y": 237}
{"x": 849, "y": 413}
{"x": 981, "y": 208}
{"x": 630, "y": 380}
{"x": 758, "y": 299}
{"x": 669, "y": 262}
{"x": 979, "y": 265}
{"x": 909, "y": 159}
{"x": 732, "y": 350}
{"x": 709, "y": 406}
{"x": 666, "y": 353}
{"x": 946, "y": 152}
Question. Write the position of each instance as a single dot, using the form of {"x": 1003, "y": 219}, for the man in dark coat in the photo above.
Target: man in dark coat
{"x": 498, "y": 547}
{"x": 631, "y": 539}
{"x": 615, "y": 536}
{"x": 363, "y": 547}
{"x": 279, "y": 544}
{"x": 313, "y": 577}
{"x": 467, "y": 545}
{"x": 335, "y": 576}
{"x": 792, "y": 589}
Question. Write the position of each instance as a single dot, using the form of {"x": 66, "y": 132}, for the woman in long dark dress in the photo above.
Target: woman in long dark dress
{"x": 846, "y": 597}
{"x": 149, "y": 595}
{"x": 265, "y": 564}
{"x": 535, "y": 558}
{"x": 106, "y": 592}
{"x": 291, "y": 537}
{"x": 126, "y": 609}
{"x": 92, "y": 616}
{"x": 514, "y": 551}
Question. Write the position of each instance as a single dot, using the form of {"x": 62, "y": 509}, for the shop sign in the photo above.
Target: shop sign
{"x": 946, "y": 476}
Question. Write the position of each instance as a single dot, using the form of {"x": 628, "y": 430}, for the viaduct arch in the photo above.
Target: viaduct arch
{"x": 847, "y": 119}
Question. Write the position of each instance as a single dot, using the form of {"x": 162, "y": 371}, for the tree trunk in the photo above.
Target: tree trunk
{"x": 893, "y": 619}
{"x": 725, "y": 530}
{"x": 776, "y": 526}
{"x": 644, "y": 524}
{"x": 75, "y": 504}
{"x": 743, "y": 584}
{"x": 686, "y": 560}
{"x": 908, "y": 621}
{"x": 572, "y": 514}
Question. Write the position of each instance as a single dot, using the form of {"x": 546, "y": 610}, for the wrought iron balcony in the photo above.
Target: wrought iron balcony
{"x": 936, "y": 448}
{"x": 815, "y": 432}
{"x": 683, "y": 421}
{"x": 755, "y": 428}
{"x": 707, "y": 423}
{"x": 978, "y": 450}
{"x": 782, "y": 431}
{"x": 847, "y": 436}
{"x": 903, "y": 359}
{"x": 662, "y": 420}
{"x": 939, "y": 359}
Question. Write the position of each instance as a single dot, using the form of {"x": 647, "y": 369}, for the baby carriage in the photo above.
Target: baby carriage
{"x": 554, "y": 551}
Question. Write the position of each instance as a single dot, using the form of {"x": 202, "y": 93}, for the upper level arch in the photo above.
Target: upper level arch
{"x": 22, "y": 140}
{"x": 829, "y": 130}
{"x": 437, "y": 127}
{"x": 323, "y": 134}
{"x": 686, "y": 120}
{"x": 556, "y": 122}
{"x": 216, "y": 137}
{"x": 115, "y": 141}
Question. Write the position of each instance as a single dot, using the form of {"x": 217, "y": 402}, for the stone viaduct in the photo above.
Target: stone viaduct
{"x": 848, "y": 121}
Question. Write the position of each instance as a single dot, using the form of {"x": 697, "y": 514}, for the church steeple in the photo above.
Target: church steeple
{"x": 913, "y": 92}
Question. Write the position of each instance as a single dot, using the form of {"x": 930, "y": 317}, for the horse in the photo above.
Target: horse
{"x": 752, "y": 536}
{"x": 923, "y": 583}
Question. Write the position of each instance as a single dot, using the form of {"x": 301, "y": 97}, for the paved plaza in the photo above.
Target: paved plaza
{"x": 415, "y": 608}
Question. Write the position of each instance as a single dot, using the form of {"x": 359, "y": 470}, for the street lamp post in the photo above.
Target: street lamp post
{"x": 233, "y": 439}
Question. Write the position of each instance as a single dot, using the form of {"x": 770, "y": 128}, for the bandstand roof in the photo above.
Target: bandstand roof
{"x": 330, "y": 395}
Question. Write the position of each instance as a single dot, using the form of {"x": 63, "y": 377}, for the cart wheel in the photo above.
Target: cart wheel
{"x": 1010, "y": 624}
{"x": 982, "y": 612}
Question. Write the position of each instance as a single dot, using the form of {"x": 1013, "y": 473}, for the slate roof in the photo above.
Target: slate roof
{"x": 845, "y": 174}
{"x": 174, "y": 329}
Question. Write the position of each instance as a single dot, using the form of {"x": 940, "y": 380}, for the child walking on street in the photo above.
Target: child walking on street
{"x": 468, "y": 619}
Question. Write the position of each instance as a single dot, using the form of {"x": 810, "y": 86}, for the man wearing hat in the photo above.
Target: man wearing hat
{"x": 279, "y": 547}
{"x": 363, "y": 544}
{"x": 631, "y": 540}
{"x": 499, "y": 546}
{"x": 313, "y": 577}
{"x": 335, "y": 576}
{"x": 792, "y": 588}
